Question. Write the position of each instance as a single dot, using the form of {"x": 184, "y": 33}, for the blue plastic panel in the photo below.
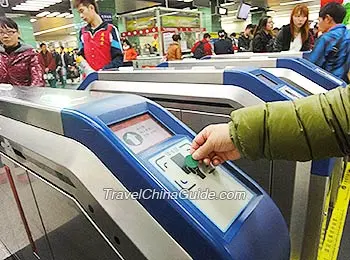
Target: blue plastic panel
{"x": 246, "y": 238}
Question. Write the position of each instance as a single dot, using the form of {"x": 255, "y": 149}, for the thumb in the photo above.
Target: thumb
{"x": 203, "y": 151}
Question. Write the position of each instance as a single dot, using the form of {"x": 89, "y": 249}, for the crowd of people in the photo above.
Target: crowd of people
{"x": 102, "y": 48}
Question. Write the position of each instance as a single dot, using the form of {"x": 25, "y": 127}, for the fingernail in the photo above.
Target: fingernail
{"x": 195, "y": 155}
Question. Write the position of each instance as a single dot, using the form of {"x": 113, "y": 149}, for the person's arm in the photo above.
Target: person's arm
{"x": 318, "y": 54}
{"x": 278, "y": 44}
{"x": 178, "y": 53}
{"x": 315, "y": 127}
{"x": 241, "y": 44}
{"x": 36, "y": 72}
{"x": 215, "y": 49}
{"x": 81, "y": 44}
{"x": 116, "y": 51}
{"x": 134, "y": 54}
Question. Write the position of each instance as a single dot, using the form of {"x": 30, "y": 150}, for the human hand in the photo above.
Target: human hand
{"x": 213, "y": 145}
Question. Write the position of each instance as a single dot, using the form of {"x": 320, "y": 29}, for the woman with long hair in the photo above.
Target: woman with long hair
{"x": 263, "y": 38}
{"x": 19, "y": 63}
{"x": 295, "y": 36}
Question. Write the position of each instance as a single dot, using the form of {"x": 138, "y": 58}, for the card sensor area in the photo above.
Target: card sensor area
{"x": 231, "y": 196}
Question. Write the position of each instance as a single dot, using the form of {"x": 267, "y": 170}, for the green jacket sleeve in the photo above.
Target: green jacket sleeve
{"x": 315, "y": 127}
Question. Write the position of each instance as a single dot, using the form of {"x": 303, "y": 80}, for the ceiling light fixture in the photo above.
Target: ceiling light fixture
{"x": 296, "y": 2}
{"x": 43, "y": 14}
{"x": 53, "y": 14}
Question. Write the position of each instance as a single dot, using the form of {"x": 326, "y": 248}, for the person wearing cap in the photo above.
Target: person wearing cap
{"x": 223, "y": 46}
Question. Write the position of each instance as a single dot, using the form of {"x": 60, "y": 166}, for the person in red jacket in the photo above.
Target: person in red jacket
{"x": 48, "y": 64}
{"x": 129, "y": 52}
{"x": 19, "y": 63}
{"x": 99, "y": 41}
{"x": 202, "y": 48}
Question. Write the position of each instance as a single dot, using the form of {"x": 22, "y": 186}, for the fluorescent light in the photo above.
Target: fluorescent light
{"x": 55, "y": 29}
{"x": 53, "y": 14}
{"x": 33, "y": 20}
{"x": 227, "y": 4}
{"x": 73, "y": 33}
{"x": 62, "y": 15}
{"x": 70, "y": 16}
{"x": 43, "y": 14}
{"x": 296, "y": 2}
{"x": 188, "y": 1}
{"x": 25, "y": 8}
{"x": 254, "y": 8}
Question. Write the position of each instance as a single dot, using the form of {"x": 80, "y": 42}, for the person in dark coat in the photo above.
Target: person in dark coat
{"x": 48, "y": 64}
{"x": 295, "y": 36}
{"x": 223, "y": 46}
{"x": 245, "y": 39}
{"x": 263, "y": 40}
{"x": 19, "y": 63}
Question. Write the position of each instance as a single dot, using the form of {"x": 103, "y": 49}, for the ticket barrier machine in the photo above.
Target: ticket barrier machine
{"x": 294, "y": 65}
{"x": 288, "y": 68}
{"x": 289, "y": 183}
{"x": 83, "y": 155}
{"x": 252, "y": 55}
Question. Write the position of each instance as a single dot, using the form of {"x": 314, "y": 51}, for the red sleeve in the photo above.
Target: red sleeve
{"x": 133, "y": 54}
{"x": 36, "y": 71}
{"x": 207, "y": 49}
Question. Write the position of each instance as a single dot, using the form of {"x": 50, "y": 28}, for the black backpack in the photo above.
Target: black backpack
{"x": 199, "y": 51}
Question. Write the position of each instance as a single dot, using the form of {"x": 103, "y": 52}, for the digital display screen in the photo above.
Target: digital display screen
{"x": 267, "y": 80}
{"x": 140, "y": 133}
{"x": 243, "y": 11}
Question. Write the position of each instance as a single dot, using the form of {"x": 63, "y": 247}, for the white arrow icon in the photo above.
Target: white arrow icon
{"x": 132, "y": 138}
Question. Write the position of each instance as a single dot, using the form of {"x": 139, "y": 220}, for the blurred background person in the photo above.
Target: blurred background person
{"x": 202, "y": 48}
{"x": 63, "y": 66}
{"x": 332, "y": 49}
{"x": 295, "y": 36}
{"x": 48, "y": 64}
{"x": 130, "y": 53}
{"x": 263, "y": 40}
{"x": 174, "y": 50}
{"x": 223, "y": 46}
{"x": 19, "y": 62}
{"x": 245, "y": 39}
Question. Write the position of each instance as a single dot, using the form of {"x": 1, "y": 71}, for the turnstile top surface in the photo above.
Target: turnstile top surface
{"x": 297, "y": 80}
{"x": 221, "y": 94}
{"x": 186, "y": 76}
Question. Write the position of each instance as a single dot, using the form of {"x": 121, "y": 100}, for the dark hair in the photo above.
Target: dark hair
{"x": 42, "y": 44}
{"x": 206, "y": 35}
{"x": 61, "y": 47}
{"x": 334, "y": 10}
{"x": 233, "y": 34}
{"x": 221, "y": 33}
{"x": 8, "y": 23}
{"x": 249, "y": 27}
{"x": 176, "y": 37}
{"x": 262, "y": 24}
{"x": 276, "y": 28}
{"x": 86, "y": 3}
{"x": 127, "y": 43}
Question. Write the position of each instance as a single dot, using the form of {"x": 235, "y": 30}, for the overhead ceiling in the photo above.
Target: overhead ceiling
{"x": 61, "y": 7}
